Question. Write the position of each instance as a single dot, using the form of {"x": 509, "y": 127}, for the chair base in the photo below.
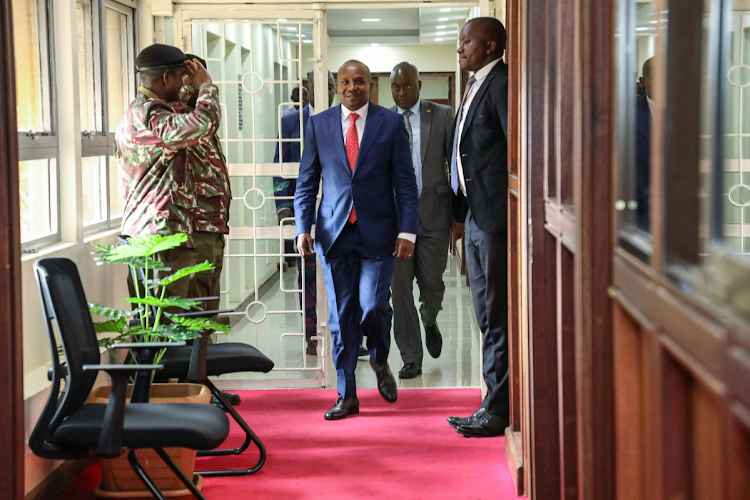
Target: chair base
{"x": 181, "y": 494}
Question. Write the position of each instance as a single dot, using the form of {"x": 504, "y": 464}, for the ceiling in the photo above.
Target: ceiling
{"x": 393, "y": 26}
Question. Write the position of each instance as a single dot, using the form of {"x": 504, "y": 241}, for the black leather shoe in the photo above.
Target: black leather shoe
{"x": 485, "y": 426}
{"x": 215, "y": 402}
{"x": 234, "y": 399}
{"x": 433, "y": 340}
{"x": 457, "y": 421}
{"x": 386, "y": 382}
{"x": 410, "y": 370}
{"x": 312, "y": 348}
{"x": 343, "y": 408}
{"x": 363, "y": 351}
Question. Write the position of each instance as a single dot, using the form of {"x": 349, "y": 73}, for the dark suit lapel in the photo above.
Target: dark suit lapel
{"x": 372, "y": 127}
{"x": 425, "y": 124}
{"x": 478, "y": 98}
{"x": 334, "y": 121}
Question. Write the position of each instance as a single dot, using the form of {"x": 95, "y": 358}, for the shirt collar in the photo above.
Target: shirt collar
{"x": 311, "y": 109}
{"x": 148, "y": 93}
{"x": 481, "y": 74}
{"x": 414, "y": 109}
{"x": 362, "y": 112}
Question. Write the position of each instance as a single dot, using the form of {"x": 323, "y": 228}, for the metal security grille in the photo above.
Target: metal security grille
{"x": 257, "y": 57}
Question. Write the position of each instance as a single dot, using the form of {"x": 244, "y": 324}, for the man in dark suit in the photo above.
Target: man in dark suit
{"x": 429, "y": 126}
{"x": 479, "y": 181}
{"x": 283, "y": 190}
{"x": 368, "y": 215}
{"x": 644, "y": 115}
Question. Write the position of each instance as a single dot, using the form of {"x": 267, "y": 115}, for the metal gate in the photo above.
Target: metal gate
{"x": 256, "y": 56}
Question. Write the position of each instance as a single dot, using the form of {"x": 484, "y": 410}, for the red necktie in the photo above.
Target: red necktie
{"x": 352, "y": 150}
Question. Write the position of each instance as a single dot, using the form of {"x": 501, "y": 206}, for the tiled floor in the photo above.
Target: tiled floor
{"x": 458, "y": 365}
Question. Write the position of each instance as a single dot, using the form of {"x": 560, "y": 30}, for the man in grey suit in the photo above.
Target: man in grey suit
{"x": 429, "y": 127}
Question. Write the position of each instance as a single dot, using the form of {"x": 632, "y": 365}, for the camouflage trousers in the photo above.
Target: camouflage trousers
{"x": 208, "y": 247}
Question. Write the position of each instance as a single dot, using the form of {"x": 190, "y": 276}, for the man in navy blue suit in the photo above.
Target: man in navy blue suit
{"x": 368, "y": 215}
{"x": 283, "y": 190}
{"x": 644, "y": 113}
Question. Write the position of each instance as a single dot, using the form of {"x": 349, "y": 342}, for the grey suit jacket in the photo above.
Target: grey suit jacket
{"x": 435, "y": 140}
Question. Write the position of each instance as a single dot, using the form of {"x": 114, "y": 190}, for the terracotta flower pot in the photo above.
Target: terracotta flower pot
{"x": 118, "y": 478}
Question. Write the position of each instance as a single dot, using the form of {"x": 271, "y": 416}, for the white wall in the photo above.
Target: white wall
{"x": 383, "y": 58}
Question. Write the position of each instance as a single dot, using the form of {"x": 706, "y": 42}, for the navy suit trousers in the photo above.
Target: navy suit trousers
{"x": 358, "y": 286}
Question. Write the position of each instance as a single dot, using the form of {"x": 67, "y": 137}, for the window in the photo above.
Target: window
{"x": 106, "y": 61}
{"x": 37, "y": 141}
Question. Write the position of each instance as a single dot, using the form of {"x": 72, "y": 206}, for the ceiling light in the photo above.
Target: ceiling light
{"x": 306, "y": 41}
{"x": 303, "y": 36}
{"x": 291, "y": 28}
{"x": 440, "y": 27}
{"x": 445, "y": 10}
{"x": 440, "y": 33}
{"x": 442, "y": 19}
{"x": 281, "y": 20}
{"x": 370, "y": 19}
{"x": 438, "y": 39}
{"x": 375, "y": 44}
{"x": 641, "y": 29}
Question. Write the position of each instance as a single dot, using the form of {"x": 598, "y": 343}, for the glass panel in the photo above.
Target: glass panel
{"x": 116, "y": 190}
{"x": 29, "y": 75}
{"x": 38, "y": 194}
{"x": 89, "y": 65}
{"x": 93, "y": 172}
{"x": 118, "y": 67}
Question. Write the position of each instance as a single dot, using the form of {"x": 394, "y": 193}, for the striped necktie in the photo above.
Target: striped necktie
{"x": 454, "y": 155}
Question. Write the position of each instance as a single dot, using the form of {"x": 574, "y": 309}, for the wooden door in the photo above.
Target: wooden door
{"x": 682, "y": 266}
{"x": 560, "y": 443}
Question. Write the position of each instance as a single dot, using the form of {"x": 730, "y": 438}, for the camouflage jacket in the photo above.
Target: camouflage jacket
{"x": 151, "y": 149}
{"x": 207, "y": 164}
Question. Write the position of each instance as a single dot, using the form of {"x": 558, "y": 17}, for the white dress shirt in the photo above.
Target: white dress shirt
{"x": 651, "y": 105}
{"x": 416, "y": 130}
{"x": 360, "y": 124}
{"x": 480, "y": 76}
{"x": 311, "y": 109}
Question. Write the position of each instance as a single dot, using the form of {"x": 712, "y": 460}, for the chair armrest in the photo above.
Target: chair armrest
{"x": 203, "y": 299}
{"x": 147, "y": 345}
{"x": 110, "y": 439}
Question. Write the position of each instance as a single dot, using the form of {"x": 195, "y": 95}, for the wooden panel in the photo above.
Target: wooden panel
{"x": 566, "y": 373}
{"x": 11, "y": 355}
{"x": 674, "y": 428}
{"x": 630, "y": 371}
{"x": 514, "y": 329}
{"x": 738, "y": 444}
{"x": 707, "y": 431}
{"x": 514, "y": 458}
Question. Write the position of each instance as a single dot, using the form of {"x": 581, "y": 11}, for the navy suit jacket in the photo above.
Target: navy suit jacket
{"x": 643, "y": 163}
{"x": 382, "y": 188}
{"x": 290, "y": 153}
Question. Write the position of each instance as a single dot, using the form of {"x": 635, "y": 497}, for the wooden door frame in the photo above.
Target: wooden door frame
{"x": 11, "y": 355}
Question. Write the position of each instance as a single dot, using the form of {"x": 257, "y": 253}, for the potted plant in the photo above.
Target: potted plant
{"x": 149, "y": 321}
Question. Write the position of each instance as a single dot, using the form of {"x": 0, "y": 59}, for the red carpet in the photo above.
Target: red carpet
{"x": 394, "y": 451}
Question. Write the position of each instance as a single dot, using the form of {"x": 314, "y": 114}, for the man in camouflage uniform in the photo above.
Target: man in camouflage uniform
{"x": 151, "y": 147}
{"x": 208, "y": 166}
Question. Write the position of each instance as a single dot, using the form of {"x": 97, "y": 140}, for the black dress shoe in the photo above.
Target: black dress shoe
{"x": 386, "y": 382}
{"x": 343, "y": 408}
{"x": 312, "y": 348}
{"x": 457, "y": 421}
{"x": 410, "y": 370}
{"x": 485, "y": 426}
{"x": 215, "y": 402}
{"x": 433, "y": 340}
{"x": 234, "y": 399}
{"x": 363, "y": 351}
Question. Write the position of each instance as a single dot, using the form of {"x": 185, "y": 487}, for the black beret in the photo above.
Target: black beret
{"x": 190, "y": 57}
{"x": 159, "y": 56}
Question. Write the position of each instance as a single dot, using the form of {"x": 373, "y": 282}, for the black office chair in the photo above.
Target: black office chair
{"x": 68, "y": 428}
{"x": 202, "y": 360}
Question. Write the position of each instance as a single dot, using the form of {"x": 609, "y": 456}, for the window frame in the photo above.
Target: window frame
{"x": 44, "y": 144}
{"x": 101, "y": 142}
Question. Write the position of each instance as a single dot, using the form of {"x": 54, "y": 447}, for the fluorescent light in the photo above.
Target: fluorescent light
{"x": 442, "y": 19}
{"x": 303, "y": 36}
{"x": 641, "y": 29}
{"x": 440, "y": 27}
{"x": 375, "y": 44}
{"x": 440, "y": 33}
{"x": 281, "y": 20}
{"x": 438, "y": 39}
{"x": 370, "y": 19}
{"x": 291, "y": 28}
{"x": 445, "y": 10}
{"x": 306, "y": 41}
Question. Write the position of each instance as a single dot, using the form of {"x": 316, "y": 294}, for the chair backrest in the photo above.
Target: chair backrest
{"x": 64, "y": 304}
